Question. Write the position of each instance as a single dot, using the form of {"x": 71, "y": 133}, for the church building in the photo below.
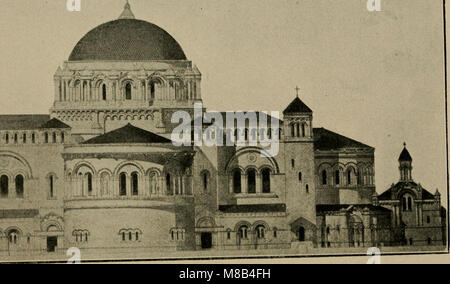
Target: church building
{"x": 100, "y": 172}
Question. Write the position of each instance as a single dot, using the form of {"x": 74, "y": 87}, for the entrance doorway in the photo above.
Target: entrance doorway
{"x": 52, "y": 243}
{"x": 206, "y": 240}
{"x": 301, "y": 234}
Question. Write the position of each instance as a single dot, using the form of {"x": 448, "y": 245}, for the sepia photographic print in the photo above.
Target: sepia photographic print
{"x": 165, "y": 130}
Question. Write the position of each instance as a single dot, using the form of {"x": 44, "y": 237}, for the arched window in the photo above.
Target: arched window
{"x": 169, "y": 184}
{"x": 261, "y": 232}
{"x": 13, "y": 237}
{"x": 237, "y": 186}
{"x": 46, "y": 137}
{"x": 297, "y": 128}
{"x": 293, "y": 130}
{"x": 7, "y": 138}
{"x": 54, "y": 137}
{"x": 251, "y": 181}
{"x": 33, "y": 138}
{"x": 429, "y": 241}
{"x": 63, "y": 137}
{"x": 275, "y": 232}
{"x": 16, "y": 138}
{"x": 24, "y": 138}
{"x": 89, "y": 183}
{"x": 205, "y": 181}
{"x": 135, "y": 183}
{"x": 307, "y": 188}
{"x": 4, "y": 186}
{"x": 243, "y": 232}
{"x": 337, "y": 178}
{"x": 292, "y": 163}
{"x": 123, "y": 184}
{"x": 349, "y": 177}
{"x": 19, "y": 186}
{"x": 51, "y": 181}
{"x": 358, "y": 177}
{"x": 104, "y": 92}
{"x": 266, "y": 180}
{"x": 152, "y": 91}
{"x": 407, "y": 202}
{"x": 303, "y": 130}
{"x": 128, "y": 91}
{"x": 428, "y": 220}
{"x": 300, "y": 176}
{"x": 324, "y": 177}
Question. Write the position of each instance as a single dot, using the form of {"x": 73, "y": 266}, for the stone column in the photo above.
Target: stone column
{"x": 56, "y": 86}
{"x": 89, "y": 96}
{"x": 244, "y": 184}
{"x": 258, "y": 184}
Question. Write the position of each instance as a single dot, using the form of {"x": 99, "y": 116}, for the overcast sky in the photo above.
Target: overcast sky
{"x": 375, "y": 77}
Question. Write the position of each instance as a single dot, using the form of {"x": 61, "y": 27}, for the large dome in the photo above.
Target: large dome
{"x": 127, "y": 39}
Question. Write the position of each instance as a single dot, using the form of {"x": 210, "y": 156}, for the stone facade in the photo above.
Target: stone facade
{"x": 100, "y": 172}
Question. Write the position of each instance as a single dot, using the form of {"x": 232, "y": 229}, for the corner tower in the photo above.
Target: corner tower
{"x": 124, "y": 71}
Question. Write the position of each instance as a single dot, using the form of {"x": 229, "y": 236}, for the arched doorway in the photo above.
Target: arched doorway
{"x": 301, "y": 234}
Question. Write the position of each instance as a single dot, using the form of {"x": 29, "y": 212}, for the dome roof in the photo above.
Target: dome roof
{"x": 127, "y": 39}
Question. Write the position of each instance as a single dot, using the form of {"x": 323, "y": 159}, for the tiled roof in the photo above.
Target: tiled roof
{"x": 54, "y": 124}
{"x": 128, "y": 134}
{"x": 23, "y": 122}
{"x": 258, "y": 208}
{"x": 18, "y": 214}
{"x": 297, "y": 106}
{"x": 339, "y": 207}
{"x": 387, "y": 195}
{"x": 327, "y": 140}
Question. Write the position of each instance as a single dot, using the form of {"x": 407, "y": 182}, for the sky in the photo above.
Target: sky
{"x": 377, "y": 77}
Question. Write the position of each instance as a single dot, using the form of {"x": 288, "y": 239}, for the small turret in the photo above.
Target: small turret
{"x": 405, "y": 166}
{"x": 298, "y": 120}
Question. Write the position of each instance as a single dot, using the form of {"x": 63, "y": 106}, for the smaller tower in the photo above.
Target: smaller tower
{"x": 405, "y": 166}
{"x": 298, "y": 121}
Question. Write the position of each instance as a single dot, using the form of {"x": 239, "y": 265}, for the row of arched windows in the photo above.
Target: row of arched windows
{"x": 33, "y": 138}
{"x": 252, "y": 176}
{"x": 130, "y": 235}
{"x": 177, "y": 234}
{"x": 349, "y": 177}
{"x": 130, "y": 182}
{"x": 81, "y": 236}
{"x": 5, "y": 184}
{"x": 259, "y": 232}
{"x": 298, "y": 129}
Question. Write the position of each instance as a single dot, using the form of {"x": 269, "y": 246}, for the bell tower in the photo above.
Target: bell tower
{"x": 405, "y": 165}
{"x": 298, "y": 121}
{"x": 298, "y": 146}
